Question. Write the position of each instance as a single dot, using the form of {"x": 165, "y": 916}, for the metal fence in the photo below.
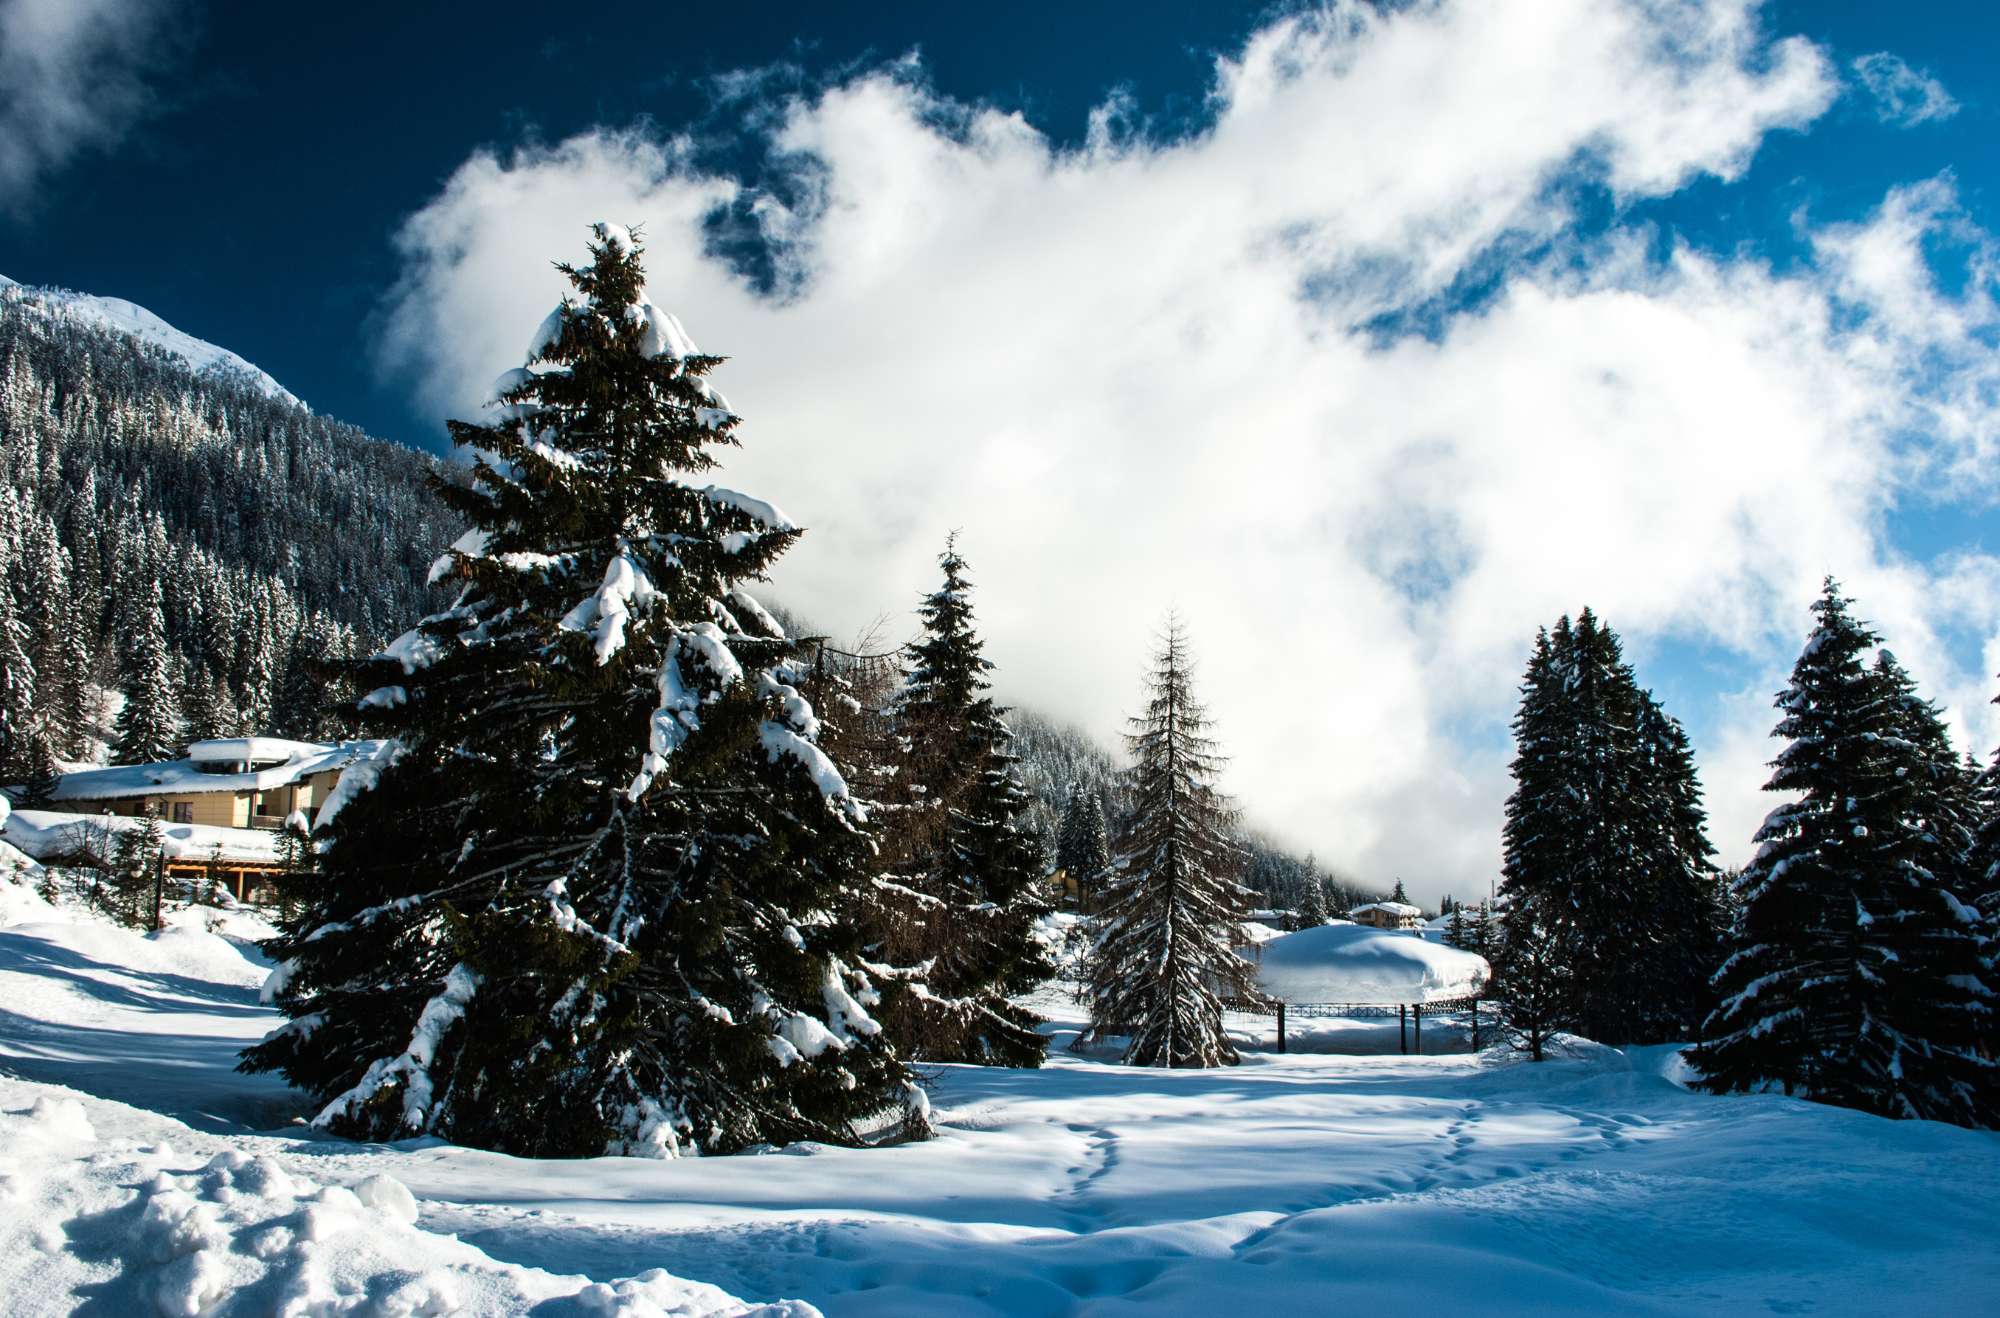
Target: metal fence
{"x": 1409, "y": 1015}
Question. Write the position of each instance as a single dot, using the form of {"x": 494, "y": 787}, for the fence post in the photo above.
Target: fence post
{"x": 1417, "y": 1011}
{"x": 159, "y": 887}
{"x": 1281, "y": 1027}
{"x": 1475, "y": 1025}
{"x": 1402, "y": 1029}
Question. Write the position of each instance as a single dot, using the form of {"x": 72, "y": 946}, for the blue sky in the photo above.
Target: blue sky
{"x": 1501, "y": 310}
{"x": 253, "y": 202}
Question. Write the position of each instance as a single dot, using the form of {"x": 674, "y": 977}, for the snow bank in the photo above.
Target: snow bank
{"x": 54, "y": 834}
{"x": 21, "y": 904}
{"x": 133, "y": 1226}
{"x": 1356, "y": 963}
{"x": 1386, "y": 1184}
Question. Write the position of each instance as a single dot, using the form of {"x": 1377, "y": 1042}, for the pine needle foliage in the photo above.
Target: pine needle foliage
{"x": 1312, "y": 911}
{"x": 1172, "y": 917}
{"x": 1083, "y": 848}
{"x": 1856, "y": 976}
{"x": 598, "y": 891}
{"x": 1606, "y": 863}
{"x": 964, "y": 891}
{"x": 149, "y": 723}
{"x": 1982, "y": 863}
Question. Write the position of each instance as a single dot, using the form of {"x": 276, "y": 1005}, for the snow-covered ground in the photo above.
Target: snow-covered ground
{"x": 138, "y": 1170}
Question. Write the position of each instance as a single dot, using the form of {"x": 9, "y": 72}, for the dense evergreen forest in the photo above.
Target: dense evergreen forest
{"x": 270, "y": 538}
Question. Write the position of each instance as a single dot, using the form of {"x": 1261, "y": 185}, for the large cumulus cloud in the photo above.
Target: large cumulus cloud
{"x": 1236, "y": 371}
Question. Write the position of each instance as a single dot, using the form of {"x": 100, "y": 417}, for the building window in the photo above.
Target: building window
{"x": 183, "y": 812}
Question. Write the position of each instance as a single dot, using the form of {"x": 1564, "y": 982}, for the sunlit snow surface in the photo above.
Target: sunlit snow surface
{"x": 1313, "y": 1182}
{"x": 1359, "y": 964}
{"x": 115, "y": 313}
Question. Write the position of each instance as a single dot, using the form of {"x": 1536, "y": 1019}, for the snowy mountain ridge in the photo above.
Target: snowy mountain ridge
{"x": 130, "y": 318}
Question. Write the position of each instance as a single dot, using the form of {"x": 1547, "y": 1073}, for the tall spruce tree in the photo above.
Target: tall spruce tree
{"x": 1084, "y": 847}
{"x": 17, "y": 690}
{"x": 1682, "y": 895}
{"x": 1456, "y": 932}
{"x": 1312, "y": 903}
{"x": 1536, "y": 977}
{"x": 41, "y": 771}
{"x": 297, "y": 709}
{"x": 1606, "y": 861}
{"x": 1855, "y": 976}
{"x": 968, "y": 874}
{"x": 1172, "y": 918}
{"x": 149, "y": 725}
{"x": 599, "y": 891}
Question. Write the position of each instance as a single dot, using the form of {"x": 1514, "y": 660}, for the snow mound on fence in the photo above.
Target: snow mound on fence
{"x": 142, "y": 1228}
{"x": 1359, "y": 964}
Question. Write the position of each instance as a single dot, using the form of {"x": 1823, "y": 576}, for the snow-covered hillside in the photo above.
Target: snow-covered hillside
{"x": 139, "y": 1172}
{"x": 131, "y": 318}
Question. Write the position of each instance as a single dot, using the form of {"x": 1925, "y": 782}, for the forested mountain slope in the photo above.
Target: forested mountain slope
{"x": 129, "y": 477}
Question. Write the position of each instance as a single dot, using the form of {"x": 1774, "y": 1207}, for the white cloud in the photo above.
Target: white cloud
{"x": 72, "y": 78}
{"x": 1903, "y": 96}
{"x": 1137, "y": 375}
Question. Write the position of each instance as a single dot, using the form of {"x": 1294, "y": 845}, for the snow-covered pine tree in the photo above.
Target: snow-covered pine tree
{"x": 44, "y": 605}
{"x": 299, "y": 862}
{"x": 72, "y": 700}
{"x": 41, "y": 771}
{"x": 206, "y": 709}
{"x": 1172, "y": 918}
{"x": 1084, "y": 847}
{"x": 149, "y": 725}
{"x": 1456, "y": 933}
{"x": 1536, "y": 990}
{"x": 1683, "y": 899}
{"x": 1605, "y": 854}
{"x": 1855, "y": 976}
{"x": 134, "y": 858}
{"x": 17, "y": 688}
{"x": 1481, "y": 935}
{"x": 599, "y": 890}
{"x": 966, "y": 890}
{"x": 1607, "y": 938}
{"x": 1398, "y": 895}
{"x": 1540, "y": 842}
{"x": 1312, "y": 904}
{"x": 297, "y": 709}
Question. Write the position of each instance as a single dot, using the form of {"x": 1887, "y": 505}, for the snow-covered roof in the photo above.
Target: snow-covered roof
{"x": 274, "y": 750}
{"x": 301, "y": 760}
{"x": 1389, "y": 908}
{"x": 46, "y": 834}
{"x": 1358, "y": 964}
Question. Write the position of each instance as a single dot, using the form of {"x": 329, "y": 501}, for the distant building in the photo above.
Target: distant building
{"x": 233, "y": 782}
{"x": 1388, "y": 915}
{"x": 221, "y": 807}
